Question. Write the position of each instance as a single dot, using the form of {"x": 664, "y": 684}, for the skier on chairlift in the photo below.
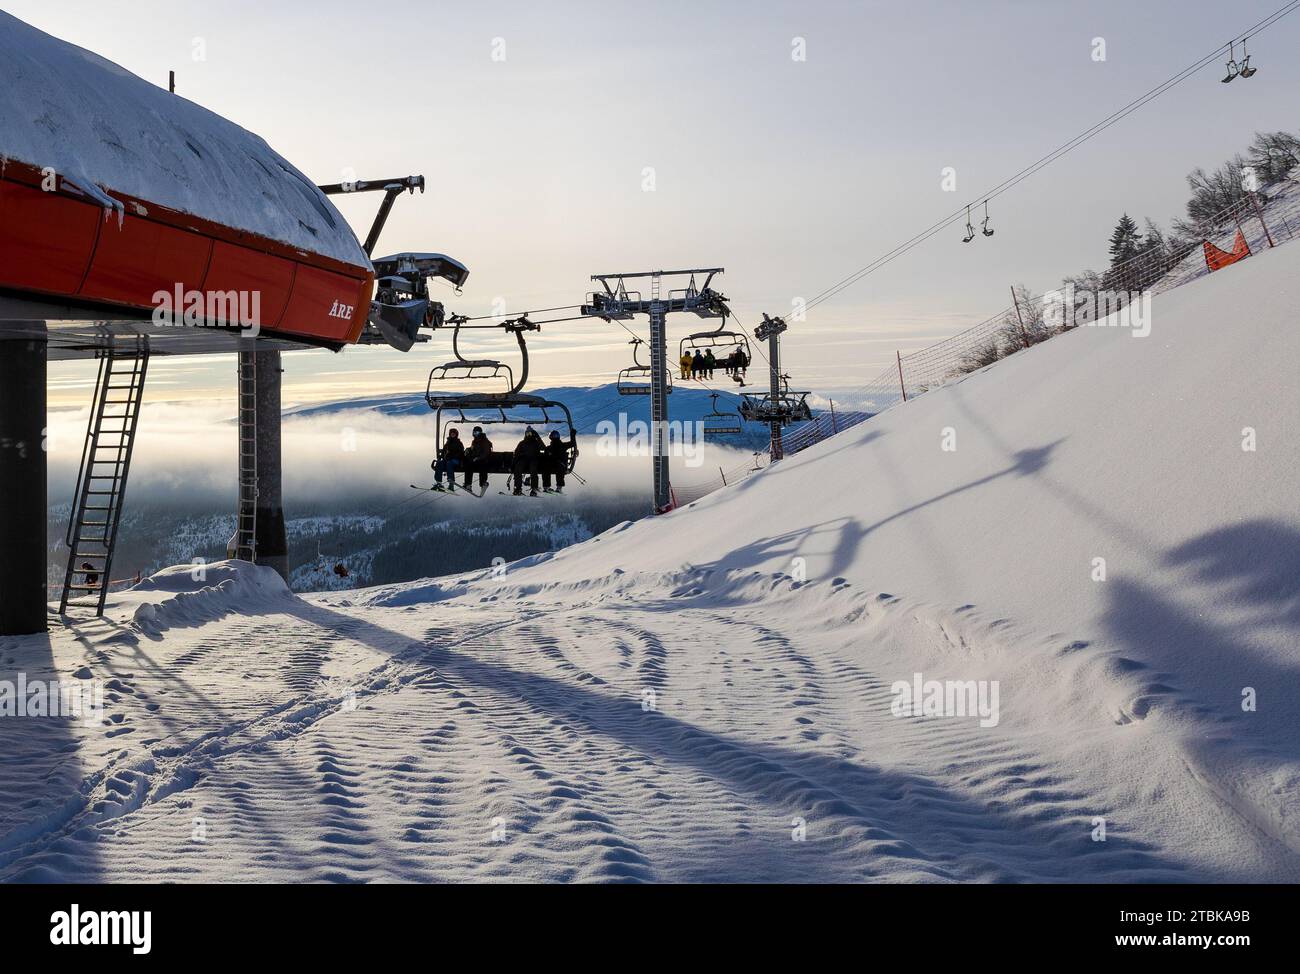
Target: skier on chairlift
{"x": 450, "y": 459}
{"x": 710, "y": 363}
{"x": 697, "y": 366}
{"x": 528, "y": 459}
{"x": 686, "y": 363}
{"x": 478, "y": 458}
{"x": 742, "y": 363}
{"x": 556, "y": 461}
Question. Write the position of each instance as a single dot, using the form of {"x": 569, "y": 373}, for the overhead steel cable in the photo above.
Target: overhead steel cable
{"x": 1062, "y": 150}
{"x": 534, "y": 311}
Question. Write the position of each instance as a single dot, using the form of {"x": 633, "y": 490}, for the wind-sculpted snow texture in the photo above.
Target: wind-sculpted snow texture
{"x": 711, "y": 695}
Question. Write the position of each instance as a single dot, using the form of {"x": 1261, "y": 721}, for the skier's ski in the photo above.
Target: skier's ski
{"x": 443, "y": 490}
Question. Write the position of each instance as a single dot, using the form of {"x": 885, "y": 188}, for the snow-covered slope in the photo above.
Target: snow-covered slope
{"x": 99, "y": 125}
{"x": 715, "y": 694}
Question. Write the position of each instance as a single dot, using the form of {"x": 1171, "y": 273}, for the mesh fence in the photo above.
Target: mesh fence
{"x": 1033, "y": 318}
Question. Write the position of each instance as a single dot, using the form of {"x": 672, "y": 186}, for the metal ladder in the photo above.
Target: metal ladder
{"x": 101, "y": 480}
{"x": 246, "y": 527}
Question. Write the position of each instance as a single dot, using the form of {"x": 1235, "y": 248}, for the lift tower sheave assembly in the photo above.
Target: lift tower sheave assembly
{"x": 778, "y": 407}
{"x": 617, "y": 303}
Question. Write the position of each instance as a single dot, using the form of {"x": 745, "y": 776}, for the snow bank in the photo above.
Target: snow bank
{"x": 191, "y": 595}
{"x": 1128, "y": 504}
{"x": 98, "y": 125}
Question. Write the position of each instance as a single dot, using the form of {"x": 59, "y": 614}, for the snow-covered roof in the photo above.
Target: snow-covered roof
{"x": 99, "y": 125}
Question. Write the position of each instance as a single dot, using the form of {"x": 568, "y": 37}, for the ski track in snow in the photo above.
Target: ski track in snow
{"x": 535, "y": 724}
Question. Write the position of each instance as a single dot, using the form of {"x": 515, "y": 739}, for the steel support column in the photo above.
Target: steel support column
{"x": 659, "y": 406}
{"x": 272, "y": 546}
{"x": 23, "y": 480}
{"x": 774, "y": 359}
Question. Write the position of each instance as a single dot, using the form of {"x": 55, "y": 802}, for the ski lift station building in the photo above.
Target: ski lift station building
{"x": 136, "y": 223}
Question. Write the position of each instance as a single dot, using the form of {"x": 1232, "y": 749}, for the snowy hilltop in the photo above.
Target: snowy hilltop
{"x": 1039, "y": 624}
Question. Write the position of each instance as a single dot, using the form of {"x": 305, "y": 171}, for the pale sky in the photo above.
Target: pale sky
{"x": 791, "y": 174}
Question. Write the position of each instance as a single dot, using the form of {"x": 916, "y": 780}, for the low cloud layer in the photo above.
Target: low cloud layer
{"x": 185, "y": 453}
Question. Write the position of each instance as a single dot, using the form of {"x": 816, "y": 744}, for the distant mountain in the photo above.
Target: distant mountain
{"x": 375, "y": 540}
{"x": 588, "y": 404}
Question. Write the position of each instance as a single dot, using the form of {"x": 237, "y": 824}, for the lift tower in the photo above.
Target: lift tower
{"x": 617, "y": 303}
{"x": 778, "y": 407}
{"x": 770, "y": 331}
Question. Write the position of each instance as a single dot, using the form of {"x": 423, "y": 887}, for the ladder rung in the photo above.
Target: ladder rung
{"x": 108, "y": 446}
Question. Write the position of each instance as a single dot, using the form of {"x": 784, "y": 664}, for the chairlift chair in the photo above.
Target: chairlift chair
{"x": 718, "y": 422}
{"x": 635, "y": 380}
{"x": 1233, "y": 68}
{"x": 512, "y": 407}
{"x": 984, "y": 228}
{"x": 970, "y": 230}
{"x": 722, "y": 339}
{"x": 507, "y": 409}
{"x": 478, "y": 369}
{"x": 1245, "y": 70}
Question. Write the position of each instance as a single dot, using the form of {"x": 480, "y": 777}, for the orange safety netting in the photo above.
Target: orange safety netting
{"x": 1216, "y": 257}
